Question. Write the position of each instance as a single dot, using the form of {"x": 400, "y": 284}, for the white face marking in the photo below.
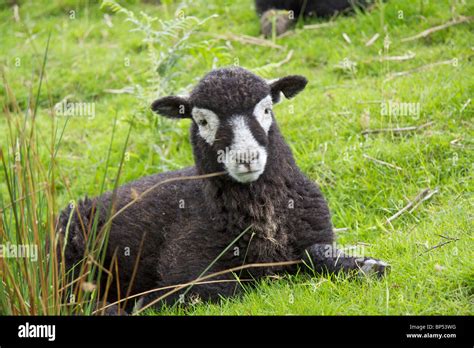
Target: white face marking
{"x": 208, "y": 123}
{"x": 263, "y": 113}
{"x": 248, "y": 157}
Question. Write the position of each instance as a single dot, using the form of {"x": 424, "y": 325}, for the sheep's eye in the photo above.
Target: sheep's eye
{"x": 268, "y": 111}
{"x": 202, "y": 122}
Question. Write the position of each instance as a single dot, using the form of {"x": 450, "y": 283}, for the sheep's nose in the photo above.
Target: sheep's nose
{"x": 247, "y": 157}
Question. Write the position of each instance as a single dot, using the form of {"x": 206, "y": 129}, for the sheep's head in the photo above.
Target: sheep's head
{"x": 232, "y": 118}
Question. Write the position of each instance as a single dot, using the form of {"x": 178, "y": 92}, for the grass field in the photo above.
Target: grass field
{"x": 354, "y": 88}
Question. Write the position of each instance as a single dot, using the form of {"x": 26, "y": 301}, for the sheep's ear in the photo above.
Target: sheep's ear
{"x": 172, "y": 107}
{"x": 288, "y": 85}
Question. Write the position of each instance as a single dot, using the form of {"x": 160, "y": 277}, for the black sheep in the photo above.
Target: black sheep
{"x": 186, "y": 224}
{"x": 268, "y": 10}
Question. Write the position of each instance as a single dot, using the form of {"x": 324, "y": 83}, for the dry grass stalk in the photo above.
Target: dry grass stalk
{"x": 412, "y": 205}
{"x": 397, "y": 130}
{"x": 432, "y": 30}
{"x": 246, "y": 39}
{"x": 382, "y": 162}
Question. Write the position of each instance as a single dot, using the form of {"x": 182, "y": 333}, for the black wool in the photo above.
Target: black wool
{"x": 183, "y": 225}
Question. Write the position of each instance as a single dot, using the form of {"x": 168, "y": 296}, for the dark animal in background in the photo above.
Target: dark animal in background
{"x": 282, "y": 14}
{"x": 186, "y": 224}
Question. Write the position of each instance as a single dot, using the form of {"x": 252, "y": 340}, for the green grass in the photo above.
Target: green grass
{"x": 323, "y": 126}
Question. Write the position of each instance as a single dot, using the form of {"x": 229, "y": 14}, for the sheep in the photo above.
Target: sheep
{"x": 283, "y": 13}
{"x": 245, "y": 182}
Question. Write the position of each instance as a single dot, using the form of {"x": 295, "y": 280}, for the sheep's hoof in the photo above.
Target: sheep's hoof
{"x": 375, "y": 267}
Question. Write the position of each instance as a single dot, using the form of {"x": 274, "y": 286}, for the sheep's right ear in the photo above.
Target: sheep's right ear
{"x": 172, "y": 107}
{"x": 289, "y": 85}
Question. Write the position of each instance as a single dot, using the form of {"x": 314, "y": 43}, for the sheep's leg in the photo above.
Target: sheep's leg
{"x": 327, "y": 258}
{"x": 280, "y": 21}
{"x": 211, "y": 292}
{"x": 109, "y": 310}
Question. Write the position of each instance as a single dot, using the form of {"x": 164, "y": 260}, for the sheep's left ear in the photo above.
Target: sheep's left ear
{"x": 172, "y": 107}
{"x": 288, "y": 85}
